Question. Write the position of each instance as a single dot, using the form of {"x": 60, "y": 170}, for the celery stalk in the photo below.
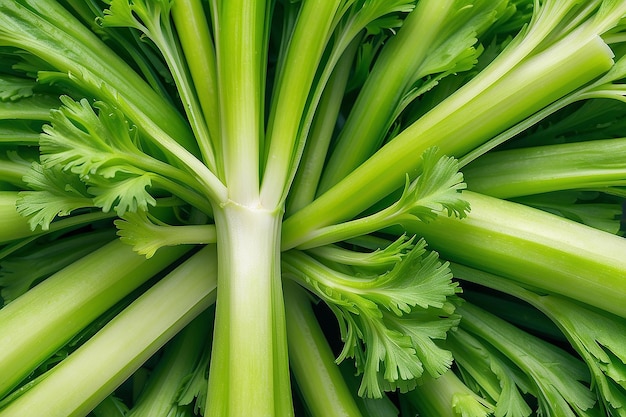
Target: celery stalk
{"x": 58, "y": 308}
{"x": 319, "y": 379}
{"x": 128, "y": 340}
{"x": 539, "y": 250}
{"x": 455, "y": 126}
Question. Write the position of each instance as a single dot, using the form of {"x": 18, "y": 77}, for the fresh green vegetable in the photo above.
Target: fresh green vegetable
{"x": 370, "y": 192}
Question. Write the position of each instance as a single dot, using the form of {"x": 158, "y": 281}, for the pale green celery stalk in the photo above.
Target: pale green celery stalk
{"x": 312, "y": 361}
{"x": 303, "y": 55}
{"x": 47, "y": 316}
{"x": 61, "y": 40}
{"x": 537, "y": 249}
{"x": 519, "y": 172}
{"x": 18, "y": 133}
{"x": 12, "y": 224}
{"x": 193, "y": 31}
{"x": 239, "y": 36}
{"x": 395, "y": 71}
{"x": 249, "y": 367}
{"x": 311, "y": 165}
{"x": 249, "y": 372}
{"x": 154, "y": 20}
{"x": 447, "y": 396}
{"x": 126, "y": 342}
{"x": 456, "y": 126}
{"x": 159, "y": 397}
{"x": 13, "y": 172}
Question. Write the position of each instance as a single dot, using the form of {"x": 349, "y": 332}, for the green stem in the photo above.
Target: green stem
{"x": 305, "y": 49}
{"x": 535, "y": 170}
{"x": 249, "y": 366}
{"x": 447, "y": 396}
{"x": 195, "y": 38}
{"x": 537, "y": 249}
{"x": 181, "y": 355}
{"x": 312, "y": 361}
{"x": 239, "y": 36}
{"x": 386, "y": 85}
{"x": 59, "y": 307}
{"x": 456, "y": 129}
{"x": 318, "y": 141}
{"x": 127, "y": 341}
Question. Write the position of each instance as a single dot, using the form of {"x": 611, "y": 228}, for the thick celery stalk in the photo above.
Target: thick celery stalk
{"x": 93, "y": 371}
{"x": 538, "y": 249}
{"x": 42, "y": 320}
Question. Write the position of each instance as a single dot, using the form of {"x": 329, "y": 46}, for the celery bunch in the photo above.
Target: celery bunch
{"x": 315, "y": 207}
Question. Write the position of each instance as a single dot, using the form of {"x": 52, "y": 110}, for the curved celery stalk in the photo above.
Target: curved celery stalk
{"x": 128, "y": 340}
{"x": 58, "y": 308}
{"x": 61, "y": 40}
{"x": 456, "y": 129}
{"x": 312, "y": 361}
{"x": 535, "y": 248}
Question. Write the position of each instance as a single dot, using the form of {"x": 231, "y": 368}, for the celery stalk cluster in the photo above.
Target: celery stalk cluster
{"x": 312, "y": 208}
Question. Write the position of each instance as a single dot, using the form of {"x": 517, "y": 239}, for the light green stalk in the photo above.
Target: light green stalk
{"x": 295, "y": 79}
{"x": 537, "y": 249}
{"x": 12, "y": 224}
{"x": 239, "y": 41}
{"x": 193, "y": 31}
{"x": 312, "y": 361}
{"x": 160, "y": 395}
{"x": 456, "y": 126}
{"x": 403, "y": 60}
{"x": 127, "y": 341}
{"x": 514, "y": 173}
{"x": 50, "y": 314}
{"x": 249, "y": 348}
{"x": 447, "y": 396}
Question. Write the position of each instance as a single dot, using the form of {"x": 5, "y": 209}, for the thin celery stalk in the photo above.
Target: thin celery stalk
{"x": 181, "y": 355}
{"x": 127, "y": 341}
{"x": 386, "y": 84}
{"x": 447, "y": 396}
{"x": 12, "y": 224}
{"x": 526, "y": 171}
{"x": 524, "y": 90}
{"x": 312, "y": 361}
{"x": 195, "y": 38}
{"x": 304, "y": 53}
{"x": 313, "y": 158}
{"x": 537, "y": 249}
{"x": 13, "y": 172}
{"x": 36, "y": 324}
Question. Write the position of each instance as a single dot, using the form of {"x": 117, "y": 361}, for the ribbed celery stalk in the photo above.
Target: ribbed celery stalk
{"x": 312, "y": 361}
{"x": 537, "y": 249}
{"x": 456, "y": 127}
{"x": 62, "y": 305}
{"x": 94, "y": 370}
